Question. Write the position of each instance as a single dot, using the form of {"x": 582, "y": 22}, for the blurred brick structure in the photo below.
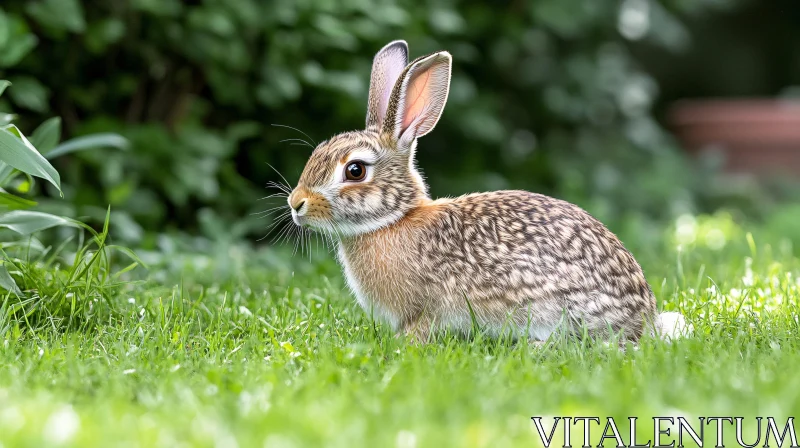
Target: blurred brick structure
{"x": 753, "y": 136}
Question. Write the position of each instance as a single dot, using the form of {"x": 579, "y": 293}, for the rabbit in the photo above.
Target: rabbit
{"x": 512, "y": 261}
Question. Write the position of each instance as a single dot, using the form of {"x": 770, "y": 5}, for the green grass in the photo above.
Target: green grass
{"x": 254, "y": 348}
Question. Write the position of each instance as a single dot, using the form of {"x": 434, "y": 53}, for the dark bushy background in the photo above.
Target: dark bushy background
{"x": 557, "y": 96}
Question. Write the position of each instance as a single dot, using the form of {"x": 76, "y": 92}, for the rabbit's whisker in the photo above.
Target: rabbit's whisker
{"x": 283, "y": 188}
{"x": 268, "y": 211}
{"x": 274, "y": 195}
{"x": 297, "y": 141}
{"x": 295, "y": 129}
{"x": 265, "y": 215}
{"x": 278, "y": 220}
{"x": 285, "y": 182}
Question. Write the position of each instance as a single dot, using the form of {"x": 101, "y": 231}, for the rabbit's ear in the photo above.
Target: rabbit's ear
{"x": 419, "y": 97}
{"x": 386, "y": 69}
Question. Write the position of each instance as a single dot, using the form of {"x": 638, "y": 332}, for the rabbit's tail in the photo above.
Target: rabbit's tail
{"x": 672, "y": 325}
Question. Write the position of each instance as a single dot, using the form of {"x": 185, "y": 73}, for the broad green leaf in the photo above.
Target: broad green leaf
{"x": 29, "y": 244}
{"x": 18, "y": 152}
{"x": 59, "y": 14}
{"x": 9, "y": 201}
{"x": 26, "y": 222}
{"x": 100, "y": 34}
{"x": 161, "y": 8}
{"x": 3, "y": 85}
{"x": 5, "y": 29}
{"x": 29, "y": 93}
{"x": 89, "y": 142}
{"x": 7, "y": 282}
{"x": 6, "y": 174}
{"x": 47, "y": 135}
{"x": 16, "y": 49}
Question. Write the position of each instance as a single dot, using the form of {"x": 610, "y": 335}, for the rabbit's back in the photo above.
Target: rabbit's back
{"x": 517, "y": 257}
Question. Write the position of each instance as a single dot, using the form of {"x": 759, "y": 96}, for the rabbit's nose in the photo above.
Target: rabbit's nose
{"x": 298, "y": 204}
{"x": 298, "y": 199}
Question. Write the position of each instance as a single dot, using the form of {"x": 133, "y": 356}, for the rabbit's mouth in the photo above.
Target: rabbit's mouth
{"x": 299, "y": 204}
{"x": 299, "y": 219}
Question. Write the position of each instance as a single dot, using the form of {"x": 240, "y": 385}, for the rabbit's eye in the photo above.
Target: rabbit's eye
{"x": 355, "y": 171}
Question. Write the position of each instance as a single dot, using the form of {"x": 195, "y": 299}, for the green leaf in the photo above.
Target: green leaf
{"x": 5, "y": 29}
{"x": 26, "y": 222}
{"x": 59, "y": 14}
{"x": 160, "y": 8}
{"x": 3, "y": 85}
{"x": 6, "y": 119}
{"x": 103, "y": 33}
{"x": 30, "y": 94}
{"x": 7, "y": 282}
{"x": 17, "y": 151}
{"x": 47, "y": 135}
{"x": 88, "y": 142}
{"x": 12, "y": 202}
{"x": 16, "y": 49}
{"x": 6, "y": 174}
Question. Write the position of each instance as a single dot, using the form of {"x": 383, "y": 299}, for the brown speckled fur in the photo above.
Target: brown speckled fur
{"x": 527, "y": 264}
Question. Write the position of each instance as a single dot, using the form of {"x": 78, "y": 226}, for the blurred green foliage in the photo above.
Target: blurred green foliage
{"x": 21, "y": 159}
{"x": 546, "y": 95}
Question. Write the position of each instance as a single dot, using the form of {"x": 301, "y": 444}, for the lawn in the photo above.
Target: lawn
{"x": 240, "y": 347}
